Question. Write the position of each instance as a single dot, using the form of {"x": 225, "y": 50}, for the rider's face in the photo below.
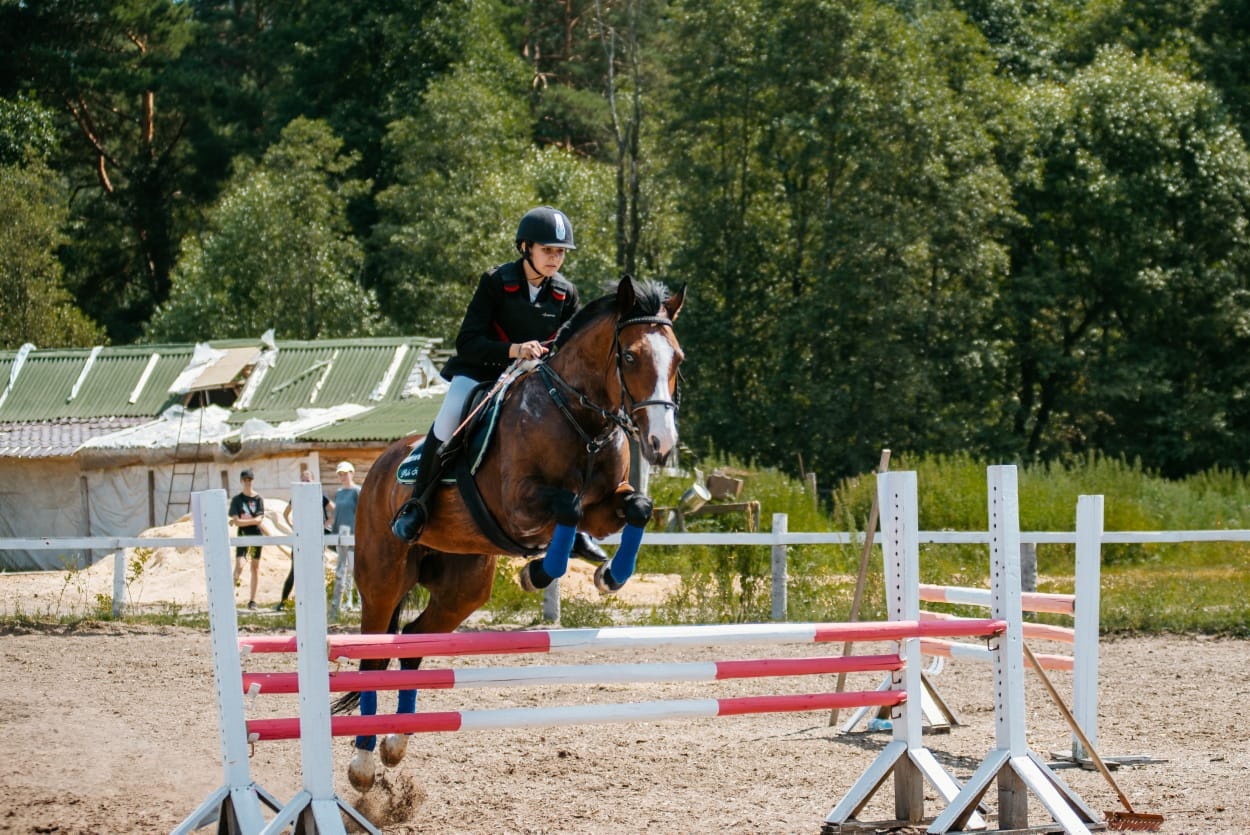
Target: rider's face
{"x": 547, "y": 259}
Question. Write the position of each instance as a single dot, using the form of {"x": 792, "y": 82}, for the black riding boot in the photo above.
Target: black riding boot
{"x": 587, "y": 549}
{"x": 411, "y": 518}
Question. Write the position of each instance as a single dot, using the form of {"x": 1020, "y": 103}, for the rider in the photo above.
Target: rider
{"x": 517, "y": 307}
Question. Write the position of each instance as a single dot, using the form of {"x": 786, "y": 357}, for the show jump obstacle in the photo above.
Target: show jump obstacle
{"x": 236, "y": 807}
{"x": 1082, "y": 607}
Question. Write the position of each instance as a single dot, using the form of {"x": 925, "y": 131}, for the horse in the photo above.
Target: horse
{"x": 559, "y": 462}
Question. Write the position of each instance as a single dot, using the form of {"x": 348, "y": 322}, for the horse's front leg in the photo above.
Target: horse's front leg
{"x": 539, "y": 573}
{"x": 635, "y": 508}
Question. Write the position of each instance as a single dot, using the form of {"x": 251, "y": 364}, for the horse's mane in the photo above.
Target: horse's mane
{"x": 648, "y": 301}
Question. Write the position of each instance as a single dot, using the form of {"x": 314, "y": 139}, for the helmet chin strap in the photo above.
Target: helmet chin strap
{"x": 525, "y": 248}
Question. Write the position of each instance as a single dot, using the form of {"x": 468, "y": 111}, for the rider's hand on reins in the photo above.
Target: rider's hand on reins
{"x": 531, "y": 350}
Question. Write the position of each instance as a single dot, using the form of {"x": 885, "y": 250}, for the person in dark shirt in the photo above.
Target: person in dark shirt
{"x": 247, "y": 512}
{"x": 515, "y": 312}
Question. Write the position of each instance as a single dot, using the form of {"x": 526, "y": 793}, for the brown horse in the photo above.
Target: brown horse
{"x": 559, "y": 462}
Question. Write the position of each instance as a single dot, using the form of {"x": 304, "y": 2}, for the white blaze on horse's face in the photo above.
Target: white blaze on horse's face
{"x": 658, "y": 419}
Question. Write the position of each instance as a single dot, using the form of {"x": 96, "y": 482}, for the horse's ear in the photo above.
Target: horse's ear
{"x": 674, "y": 302}
{"x": 626, "y": 295}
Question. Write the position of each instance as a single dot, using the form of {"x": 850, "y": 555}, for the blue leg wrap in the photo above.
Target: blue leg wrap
{"x": 407, "y": 701}
{"x": 368, "y": 707}
{"x": 626, "y": 556}
{"x": 556, "y": 560}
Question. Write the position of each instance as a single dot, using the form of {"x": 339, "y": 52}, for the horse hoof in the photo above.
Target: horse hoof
{"x": 361, "y": 771}
{"x": 524, "y": 578}
{"x": 605, "y": 582}
{"x": 394, "y": 746}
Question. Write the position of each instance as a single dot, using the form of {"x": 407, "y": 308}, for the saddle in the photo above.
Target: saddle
{"x": 473, "y": 439}
{"x": 460, "y": 458}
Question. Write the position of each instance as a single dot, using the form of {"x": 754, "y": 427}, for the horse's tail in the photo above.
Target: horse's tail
{"x": 349, "y": 702}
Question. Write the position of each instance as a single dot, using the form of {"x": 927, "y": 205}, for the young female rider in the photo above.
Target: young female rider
{"x": 517, "y": 307}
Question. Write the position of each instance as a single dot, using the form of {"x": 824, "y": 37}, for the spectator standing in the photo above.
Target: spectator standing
{"x": 247, "y": 512}
{"x": 345, "y": 497}
{"x": 327, "y": 510}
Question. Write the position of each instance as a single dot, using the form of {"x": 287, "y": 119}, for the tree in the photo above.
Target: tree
{"x": 278, "y": 253}
{"x": 843, "y": 204}
{"x": 463, "y": 172}
{"x": 36, "y": 308}
{"x": 27, "y": 130}
{"x": 102, "y": 66}
{"x": 1130, "y": 281}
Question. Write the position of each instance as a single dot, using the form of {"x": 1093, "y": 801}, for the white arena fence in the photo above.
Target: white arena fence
{"x": 778, "y": 539}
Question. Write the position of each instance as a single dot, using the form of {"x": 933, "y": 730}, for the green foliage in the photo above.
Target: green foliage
{"x": 1012, "y": 229}
{"x": 104, "y": 67}
{"x": 36, "y": 307}
{"x": 1132, "y": 273}
{"x": 279, "y": 254}
{"x": 27, "y": 129}
{"x": 812, "y": 131}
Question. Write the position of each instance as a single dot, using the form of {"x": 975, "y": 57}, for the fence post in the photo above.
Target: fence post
{"x": 235, "y": 807}
{"x": 119, "y": 581}
{"x": 780, "y": 526}
{"x": 1089, "y": 528}
{"x": 551, "y": 602}
{"x": 316, "y": 809}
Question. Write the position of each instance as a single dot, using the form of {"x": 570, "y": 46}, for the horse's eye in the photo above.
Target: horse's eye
{"x": 630, "y": 358}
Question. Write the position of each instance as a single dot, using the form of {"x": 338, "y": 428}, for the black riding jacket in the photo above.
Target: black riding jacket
{"x": 501, "y": 313}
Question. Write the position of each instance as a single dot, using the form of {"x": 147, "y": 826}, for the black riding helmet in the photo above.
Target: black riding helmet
{"x": 545, "y": 226}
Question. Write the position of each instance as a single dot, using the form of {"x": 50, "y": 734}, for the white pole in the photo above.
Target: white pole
{"x": 239, "y": 799}
{"x": 1089, "y": 528}
{"x": 119, "y": 581}
{"x": 551, "y": 602}
{"x": 342, "y": 578}
{"x": 316, "y": 808}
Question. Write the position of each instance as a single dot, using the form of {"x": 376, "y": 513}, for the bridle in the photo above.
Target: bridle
{"x": 619, "y": 419}
{"x": 627, "y": 399}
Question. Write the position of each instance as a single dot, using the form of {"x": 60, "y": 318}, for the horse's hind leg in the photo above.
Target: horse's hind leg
{"x": 459, "y": 585}
{"x": 383, "y": 584}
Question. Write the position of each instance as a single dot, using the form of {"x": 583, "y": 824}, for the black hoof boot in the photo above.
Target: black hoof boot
{"x": 532, "y": 576}
{"x": 585, "y": 547}
{"x": 605, "y": 582}
{"x": 409, "y": 521}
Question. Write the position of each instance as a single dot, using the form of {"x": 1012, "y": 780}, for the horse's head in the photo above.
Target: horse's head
{"x": 648, "y": 356}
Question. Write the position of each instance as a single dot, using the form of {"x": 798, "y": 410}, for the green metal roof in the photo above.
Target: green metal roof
{"x": 313, "y": 374}
{"x": 130, "y": 381}
{"x": 133, "y": 382}
{"x": 387, "y": 422}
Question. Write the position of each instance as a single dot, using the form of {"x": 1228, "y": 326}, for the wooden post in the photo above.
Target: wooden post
{"x": 862, "y": 578}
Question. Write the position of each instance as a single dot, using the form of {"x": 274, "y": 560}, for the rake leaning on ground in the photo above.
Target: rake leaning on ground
{"x": 1126, "y": 821}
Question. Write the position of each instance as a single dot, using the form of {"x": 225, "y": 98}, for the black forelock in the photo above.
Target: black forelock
{"x": 649, "y": 300}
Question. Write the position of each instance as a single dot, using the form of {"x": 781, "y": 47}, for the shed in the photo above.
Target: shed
{"x": 109, "y": 441}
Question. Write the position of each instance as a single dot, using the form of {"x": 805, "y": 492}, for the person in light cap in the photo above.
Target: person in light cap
{"x": 345, "y": 497}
